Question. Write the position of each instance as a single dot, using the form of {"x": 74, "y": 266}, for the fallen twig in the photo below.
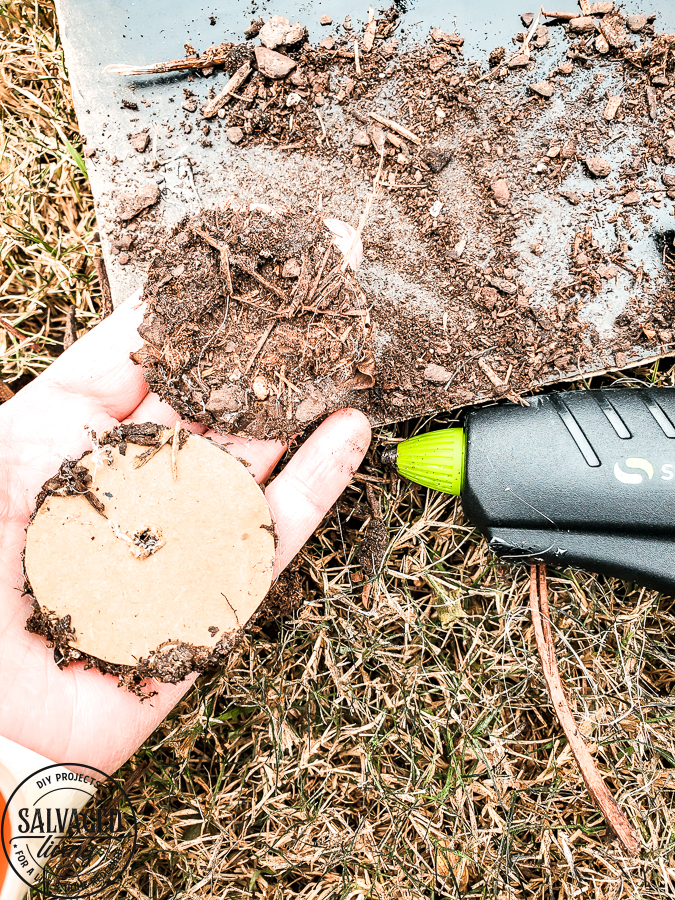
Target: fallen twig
{"x": 106, "y": 295}
{"x": 369, "y": 33}
{"x": 213, "y": 57}
{"x": 235, "y": 82}
{"x": 400, "y": 129}
{"x": 597, "y": 788}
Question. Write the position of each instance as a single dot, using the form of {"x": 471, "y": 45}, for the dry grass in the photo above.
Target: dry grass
{"x": 47, "y": 221}
{"x": 392, "y": 744}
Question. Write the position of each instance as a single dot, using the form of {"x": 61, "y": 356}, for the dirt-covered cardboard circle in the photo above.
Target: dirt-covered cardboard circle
{"x": 180, "y": 553}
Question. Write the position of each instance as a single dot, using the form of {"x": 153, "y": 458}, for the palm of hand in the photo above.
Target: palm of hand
{"x": 80, "y": 716}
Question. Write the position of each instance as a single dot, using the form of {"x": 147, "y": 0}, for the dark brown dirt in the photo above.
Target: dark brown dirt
{"x": 463, "y": 305}
{"x": 169, "y": 665}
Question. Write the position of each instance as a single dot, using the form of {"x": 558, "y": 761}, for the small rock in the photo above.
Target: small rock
{"x": 608, "y": 271}
{"x": 570, "y": 196}
{"x": 668, "y": 178}
{"x": 435, "y": 209}
{"x": 566, "y": 68}
{"x": 527, "y": 19}
{"x": 361, "y": 139}
{"x": 631, "y": 199}
{"x": 598, "y": 167}
{"x": 620, "y": 359}
{"x": 132, "y": 203}
{"x": 293, "y": 99}
{"x": 291, "y": 269}
{"x": 520, "y": 59}
{"x": 378, "y": 137}
{"x": 356, "y": 161}
{"x": 602, "y": 8}
{"x": 660, "y": 81}
{"x": 235, "y": 134}
{"x": 189, "y": 104}
{"x": 273, "y": 64}
{"x": 636, "y": 22}
{"x": 500, "y": 189}
{"x": 261, "y": 388}
{"x": 327, "y": 43}
{"x": 310, "y": 408}
{"x": 90, "y": 153}
{"x": 140, "y": 141}
{"x": 278, "y": 32}
{"x": 453, "y": 40}
{"x": 436, "y": 63}
{"x": 123, "y": 258}
{"x": 543, "y": 89}
{"x": 601, "y": 44}
{"x": 437, "y": 160}
{"x": 613, "y": 31}
{"x": 225, "y": 400}
{"x": 437, "y": 374}
{"x": 178, "y": 271}
{"x": 326, "y": 20}
{"x": 613, "y": 104}
{"x": 253, "y": 29}
{"x": 581, "y": 259}
{"x": 670, "y": 147}
{"x": 568, "y": 150}
{"x": 541, "y": 37}
{"x": 506, "y": 287}
{"x": 582, "y": 24}
{"x": 553, "y": 152}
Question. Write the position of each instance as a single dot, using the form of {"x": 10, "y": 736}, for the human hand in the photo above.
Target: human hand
{"x": 73, "y": 715}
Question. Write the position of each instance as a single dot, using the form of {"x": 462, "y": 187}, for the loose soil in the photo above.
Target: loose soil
{"x": 515, "y": 241}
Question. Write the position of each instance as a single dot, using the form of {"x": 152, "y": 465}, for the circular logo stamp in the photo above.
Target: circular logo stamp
{"x": 68, "y": 831}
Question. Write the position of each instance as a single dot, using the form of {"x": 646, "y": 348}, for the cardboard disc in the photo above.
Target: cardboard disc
{"x": 167, "y": 561}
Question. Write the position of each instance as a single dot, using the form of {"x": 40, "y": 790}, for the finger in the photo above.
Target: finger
{"x": 260, "y": 456}
{"x": 313, "y": 480}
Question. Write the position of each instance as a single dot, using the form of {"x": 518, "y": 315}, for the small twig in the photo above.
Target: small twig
{"x": 213, "y": 57}
{"x": 248, "y": 268}
{"x": 106, "y": 294}
{"x": 232, "y": 85}
{"x": 69, "y": 332}
{"x": 366, "y": 212}
{"x": 566, "y": 16}
{"x": 323, "y": 127}
{"x": 400, "y": 129}
{"x": 528, "y": 37}
{"x": 20, "y": 337}
{"x": 357, "y": 61}
{"x": 597, "y": 788}
{"x": 175, "y": 446}
{"x": 258, "y": 347}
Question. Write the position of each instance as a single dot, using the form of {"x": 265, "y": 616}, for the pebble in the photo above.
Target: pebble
{"x": 454, "y": 40}
{"x": 189, "y": 104}
{"x": 670, "y": 147}
{"x": 437, "y": 374}
{"x": 221, "y": 113}
{"x": 261, "y": 388}
{"x": 278, "y": 32}
{"x": 437, "y": 160}
{"x": 291, "y": 269}
{"x": 500, "y": 189}
{"x": 570, "y": 196}
{"x": 568, "y": 150}
{"x": 435, "y": 209}
{"x": 582, "y": 24}
{"x": 541, "y": 37}
{"x": 527, "y": 19}
{"x": 598, "y": 167}
{"x": 608, "y": 271}
{"x": 225, "y": 399}
{"x": 326, "y": 20}
{"x": 601, "y": 44}
{"x": 131, "y": 203}
{"x": 361, "y": 139}
{"x": 543, "y": 89}
{"x": 140, "y": 141}
{"x": 273, "y": 64}
{"x": 520, "y": 59}
{"x": 506, "y": 287}
{"x": 668, "y": 178}
{"x": 613, "y": 30}
{"x": 235, "y": 134}
{"x": 601, "y": 8}
{"x": 293, "y": 99}
{"x": 613, "y": 104}
{"x": 566, "y": 68}
{"x": 327, "y": 43}
{"x": 631, "y": 199}
{"x": 581, "y": 259}
{"x": 123, "y": 259}
{"x": 436, "y": 63}
{"x": 309, "y": 409}
{"x": 636, "y": 22}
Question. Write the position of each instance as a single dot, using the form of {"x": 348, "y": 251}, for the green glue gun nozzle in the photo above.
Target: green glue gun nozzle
{"x": 436, "y": 459}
